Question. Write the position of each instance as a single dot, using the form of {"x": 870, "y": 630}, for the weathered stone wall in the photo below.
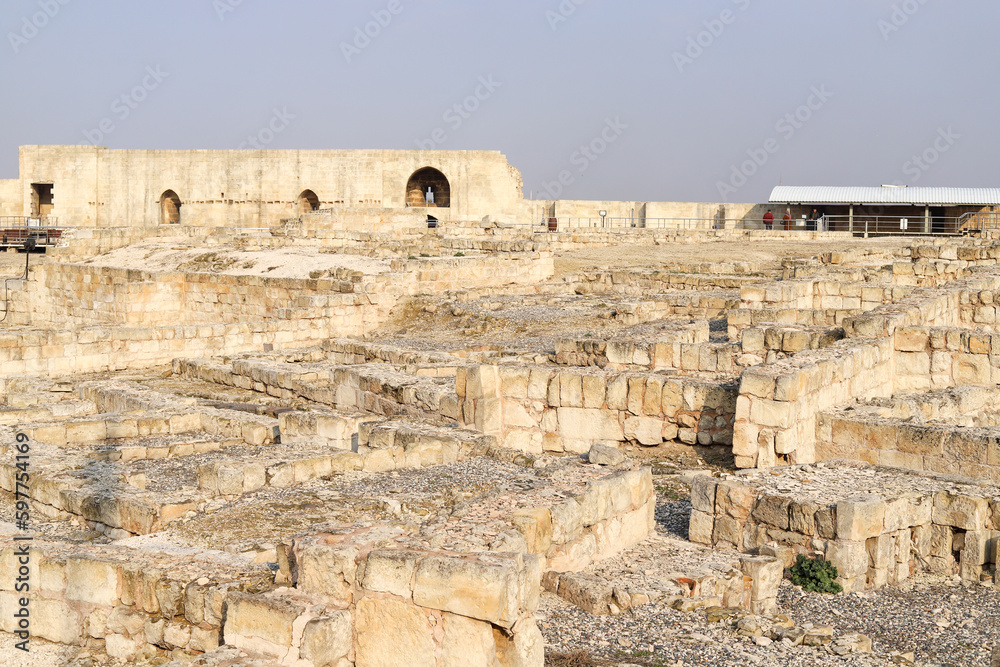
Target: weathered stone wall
{"x": 535, "y": 409}
{"x": 98, "y": 349}
{"x": 939, "y": 357}
{"x": 778, "y": 403}
{"x": 947, "y": 449}
{"x": 11, "y": 202}
{"x": 129, "y": 601}
{"x": 256, "y": 188}
{"x": 873, "y": 539}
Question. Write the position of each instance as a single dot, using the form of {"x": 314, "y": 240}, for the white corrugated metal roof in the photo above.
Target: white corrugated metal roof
{"x": 882, "y": 195}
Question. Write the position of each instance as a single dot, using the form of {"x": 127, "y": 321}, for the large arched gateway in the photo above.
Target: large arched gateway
{"x": 428, "y": 187}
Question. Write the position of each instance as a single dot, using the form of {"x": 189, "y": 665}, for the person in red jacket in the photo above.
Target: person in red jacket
{"x": 769, "y": 221}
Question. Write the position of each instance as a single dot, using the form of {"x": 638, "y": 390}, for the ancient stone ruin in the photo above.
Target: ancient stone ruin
{"x": 350, "y": 438}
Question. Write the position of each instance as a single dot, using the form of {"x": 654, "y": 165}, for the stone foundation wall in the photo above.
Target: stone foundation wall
{"x": 873, "y": 540}
{"x": 972, "y": 452}
{"x": 535, "y": 409}
{"x": 778, "y": 404}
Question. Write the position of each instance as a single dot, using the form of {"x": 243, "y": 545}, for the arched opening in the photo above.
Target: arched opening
{"x": 428, "y": 187}
{"x": 308, "y": 201}
{"x": 170, "y": 208}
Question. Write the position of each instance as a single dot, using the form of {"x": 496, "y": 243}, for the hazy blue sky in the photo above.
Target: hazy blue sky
{"x": 684, "y": 94}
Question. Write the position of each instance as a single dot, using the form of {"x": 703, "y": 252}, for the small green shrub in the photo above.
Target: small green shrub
{"x": 815, "y": 574}
{"x": 459, "y": 254}
{"x": 424, "y": 254}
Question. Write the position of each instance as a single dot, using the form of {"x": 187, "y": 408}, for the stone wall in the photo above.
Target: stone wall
{"x": 129, "y": 601}
{"x": 939, "y": 448}
{"x": 99, "y": 349}
{"x": 940, "y": 357}
{"x": 874, "y": 539}
{"x": 535, "y": 409}
{"x": 11, "y": 202}
{"x": 255, "y": 188}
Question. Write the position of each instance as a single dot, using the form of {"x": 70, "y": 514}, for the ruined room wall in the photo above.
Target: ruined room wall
{"x": 536, "y": 409}
{"x": 249, "y": 188}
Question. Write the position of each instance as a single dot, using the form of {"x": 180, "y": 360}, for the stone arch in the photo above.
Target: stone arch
{"x": 308, "y": 202}
{"x": 432, "y": 180}
{"x": 170, "y": 208}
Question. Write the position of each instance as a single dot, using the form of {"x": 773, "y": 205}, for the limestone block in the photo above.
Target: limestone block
{"x": 860, "y": 518}
{"x": 621, "y": 532}
{"x": 467, "y": 643}
{"x": 412, "y": 635}
{"x": 56, "y": 621}
{"x": 391, "y": 571}
{"x": 880, "y": 552}
{"x": 646, "y": 431}
{"x": 536, "y": 526}
{"x": 327, "y": 639}
{"x": 969, "y": 369}
{"x": 617, "y": 393}
{"x": 525, "y": 649}
{"x": 734, "y": 499}
{"x": 766, "y": 573}
{"x": 570, "y": 390}
{"x": 327, "y": 570}
{"x": 960, "y": 511}
{"x": 594, "y": 388}
{"x": 93, "y": 581}
{"x": 700, "y": 527}
{"x": 636, "y": 393}
{"x": 203, "y": 639}
{"x": 482, "y": 382}
{"x": 538, "y": 383}
{"x": 703, "y": 493}
{"x": 250, "y": 617}
{"x": 590, "y": 593}
{"x": 170, "y": 597}
{"x": 850, "y": 558}
{"x": 574, "y": 556}
{"x": 773, "y": 510}
{"x": 589, "y": 425}
{"x": 121, "y": 647}
{"x": 728, "y": 531}
{"x": 485, "y": 589}
{"x": 802, "y": 517}
{"x": 567, "y": 521}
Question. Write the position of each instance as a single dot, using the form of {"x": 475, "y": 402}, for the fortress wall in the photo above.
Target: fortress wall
{"x": 96, "y": 186}
{"x": 11, "y": 197}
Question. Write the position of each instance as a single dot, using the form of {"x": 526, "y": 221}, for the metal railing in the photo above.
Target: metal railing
{"x": 980, "y": 221}
{"x": 39, "y": 222}
{"x": 692, "y": 224}
{"x": 876, "y": 225}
